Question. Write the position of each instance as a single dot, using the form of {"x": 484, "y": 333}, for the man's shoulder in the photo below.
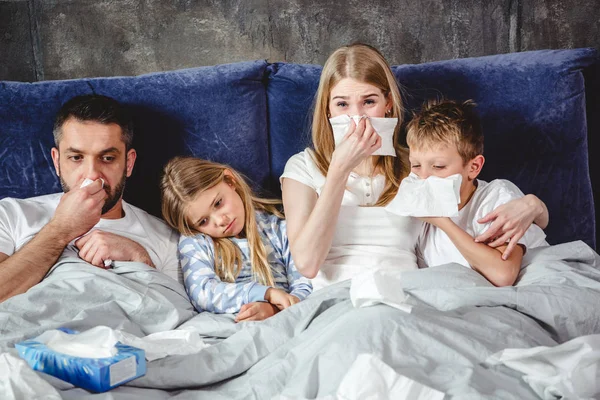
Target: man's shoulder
{"x": 149, "y": 220}
{"x": 47, "y": 201}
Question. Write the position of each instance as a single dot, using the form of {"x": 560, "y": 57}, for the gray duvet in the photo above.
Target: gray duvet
{"x": 458, "y": 320}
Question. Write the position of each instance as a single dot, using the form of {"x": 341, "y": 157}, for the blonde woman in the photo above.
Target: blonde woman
{"x": 233, "y": 250}
{"x": 333, "y": 193}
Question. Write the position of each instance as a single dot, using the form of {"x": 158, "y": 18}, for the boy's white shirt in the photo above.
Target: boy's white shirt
{"x": 435, "y": 248}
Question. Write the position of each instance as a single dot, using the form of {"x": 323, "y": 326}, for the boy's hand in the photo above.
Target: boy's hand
{"x": 280, "y": 298}
{"x": 256, "y": 311}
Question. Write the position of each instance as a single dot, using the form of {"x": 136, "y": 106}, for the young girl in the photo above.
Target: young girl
{"x": 233, "y": 249}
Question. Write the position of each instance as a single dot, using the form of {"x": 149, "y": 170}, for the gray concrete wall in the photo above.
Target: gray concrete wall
{"x": 62, "y": 39}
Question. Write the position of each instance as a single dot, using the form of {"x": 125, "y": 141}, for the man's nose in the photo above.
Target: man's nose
{"x": 93, "y": 170}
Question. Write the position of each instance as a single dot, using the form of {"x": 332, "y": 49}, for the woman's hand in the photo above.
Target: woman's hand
{"x": 256, "y": 311}
{"x": 280, "y": 298}
{"x": 511, "y": 221}
{"x": 360, "y": 142}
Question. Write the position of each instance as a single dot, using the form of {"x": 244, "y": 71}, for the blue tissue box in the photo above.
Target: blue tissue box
{"x": 95, "y": 374}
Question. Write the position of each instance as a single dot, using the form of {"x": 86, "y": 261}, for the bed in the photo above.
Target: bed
{"x": 540, "y": 115}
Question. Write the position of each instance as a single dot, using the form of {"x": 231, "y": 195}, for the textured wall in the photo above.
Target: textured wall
{"x": 63, "y": 39}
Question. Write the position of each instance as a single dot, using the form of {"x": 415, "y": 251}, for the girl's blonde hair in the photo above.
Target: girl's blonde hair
{"x": 365, "y": 64}
{"x": 183, "y": 180}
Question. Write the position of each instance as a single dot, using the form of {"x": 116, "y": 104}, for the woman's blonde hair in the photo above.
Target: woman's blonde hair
{"x": 365, "y": 64}
{"x": 184, "y": 178}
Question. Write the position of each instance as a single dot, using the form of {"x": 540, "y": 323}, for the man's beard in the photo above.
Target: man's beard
{"x": 113, "y": 195}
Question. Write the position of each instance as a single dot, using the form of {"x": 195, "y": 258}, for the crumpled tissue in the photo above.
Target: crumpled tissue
{"x": 93, "y": 360}
{"x": 384, "y": 127}
{"x": 567, "y": 371}
{"x": 381, "y": 286}
{"x": 162, "y": 344}
{"x": 431, "y": 197}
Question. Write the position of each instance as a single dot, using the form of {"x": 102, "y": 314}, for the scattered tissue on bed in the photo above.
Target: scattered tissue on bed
{"x": 568, "y": 371}
{"x": 94, "y": 360}
{"x": 378, "y": 287}
{"x": 431, "y": 197}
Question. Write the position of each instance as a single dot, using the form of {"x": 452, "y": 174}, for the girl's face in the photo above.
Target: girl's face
{"x": 218, "y": 212}
{"x": 352, "y": 97}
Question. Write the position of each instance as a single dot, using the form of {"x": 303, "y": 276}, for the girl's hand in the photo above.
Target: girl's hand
{"x": 510, "y": 222}
{"x": 360, "y": 142}
{"x": 280, "y": 298}
{"x": 256, "y": 311}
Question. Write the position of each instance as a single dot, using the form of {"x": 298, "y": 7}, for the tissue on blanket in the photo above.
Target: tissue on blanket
{"x": 431, "y": 197}
{"x": 161, "y": 344}
{"x": 20, "y": 382}
{"x": 567, "y": 371}
{"x": 384, "y": 127}
{"x": 98, "y": 342}
{"x": 371, "y": 378}
{"x": 378, "y": 287}
{"x": 97, "y": 374}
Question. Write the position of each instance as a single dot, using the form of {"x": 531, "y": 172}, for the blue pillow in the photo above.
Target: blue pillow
{"x": 533, "y": 112}
{"x": 215, "y": 112}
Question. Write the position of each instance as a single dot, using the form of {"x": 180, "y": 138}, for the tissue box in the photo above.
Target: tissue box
{"x": 95, "y": 374}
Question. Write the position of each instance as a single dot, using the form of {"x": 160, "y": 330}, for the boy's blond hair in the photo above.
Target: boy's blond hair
{"x": 447, "y": 122}
{"x": 184, "y": 178}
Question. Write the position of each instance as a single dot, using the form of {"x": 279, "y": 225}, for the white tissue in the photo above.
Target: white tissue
{"x": 87, "y": 181}
{"x": 98, "y": 342}
{"x": 383, "y": 126}
{"x": 569, "y": 371}
{"x": 431, "y": 197}
{"x": 371, "y": 378}
{"x": 379, "y": 287}
{"x": 161, "y": 344}
{"x": 19, "y": 381}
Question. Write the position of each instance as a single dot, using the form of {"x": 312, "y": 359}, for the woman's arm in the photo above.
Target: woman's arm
{"x": 511, "y": 221}
{"x": 484, "y": 259}
{"x": 311, "y": 219}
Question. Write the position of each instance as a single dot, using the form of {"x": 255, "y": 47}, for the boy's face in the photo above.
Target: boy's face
{"x": 443, "y": 161}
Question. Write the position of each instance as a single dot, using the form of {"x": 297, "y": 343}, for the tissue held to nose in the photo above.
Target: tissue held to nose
{"x": 88, "y": 181}
{"x": 384, "y": 127}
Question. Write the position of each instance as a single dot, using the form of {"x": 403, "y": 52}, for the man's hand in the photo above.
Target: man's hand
{"x": 280, "y": 298}
{"x": 98, "y": 246}
{"x": 256, "y": 311}
{"x": 79, "y": 210}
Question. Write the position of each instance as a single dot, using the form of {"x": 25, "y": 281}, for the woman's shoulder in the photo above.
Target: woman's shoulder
{"x": 301, "y": 167}
{"x": 302, "y": 159}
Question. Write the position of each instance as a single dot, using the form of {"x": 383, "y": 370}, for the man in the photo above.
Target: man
{"x": 93, "y": 138}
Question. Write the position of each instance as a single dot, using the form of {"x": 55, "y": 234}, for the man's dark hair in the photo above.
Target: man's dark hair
{"x": 95, "y": 108}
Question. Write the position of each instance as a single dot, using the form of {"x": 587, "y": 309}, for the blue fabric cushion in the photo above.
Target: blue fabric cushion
{"x": 533, "y": 112}
{"x": 210, "y": 112}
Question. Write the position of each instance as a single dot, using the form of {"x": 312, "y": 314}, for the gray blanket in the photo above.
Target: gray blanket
{"x": 458, "y": 320}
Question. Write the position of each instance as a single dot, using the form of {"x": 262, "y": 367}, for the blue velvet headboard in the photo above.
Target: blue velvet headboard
{"x": 255, "y": 115}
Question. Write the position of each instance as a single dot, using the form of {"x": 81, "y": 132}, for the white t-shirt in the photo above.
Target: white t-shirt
{"x": 22, "y": 219}
{"x": 365, "y": 237}
{"x": 435, "y": 247}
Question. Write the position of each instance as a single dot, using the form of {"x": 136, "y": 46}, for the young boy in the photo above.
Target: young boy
{"x": 444, "y": 139}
